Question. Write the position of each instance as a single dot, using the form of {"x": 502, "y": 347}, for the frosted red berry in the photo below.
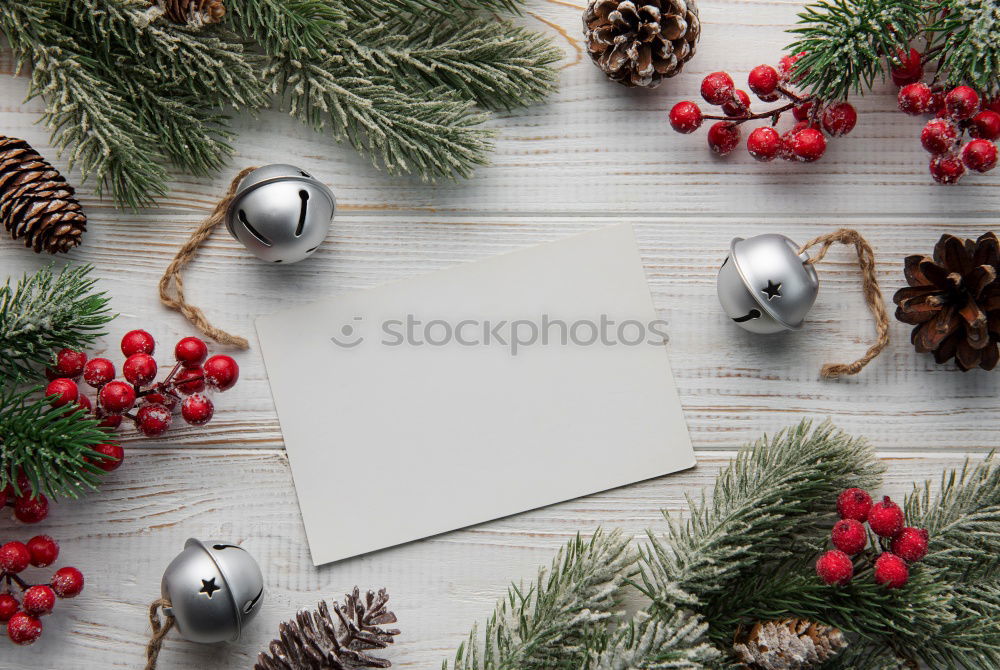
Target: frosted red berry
{"x": 116, "y": 397}
{"x": 190, "y": 380}
{"x": 44, "y": 550}
{"x": 985, "y": 125}
{"x": 23, "y": 628}
{"x": 763, "y": 81}
{"x": 197, "y": 410}
{"x": 786, "y": 64}
{"x": 111, "y": 456}
{"x": 807, "y": 145}
{"x": 67, "y": 582}
{"x": 962, "y": 102}
{"x": 907, "y": 68}
{"x": 891, "y": 571}
{"x": 137, "y": 342}
{"x": 717, "y": 88}
{"x": 723, "y": 137}
{"x": 64, "y": 390}
{"x": 139, "y": 369}
{"x": 107, "y": 419}
{"x": 764, "y": 143}
{"x": 83, "y": 402}
{"x": 39, "y": 600}
{"x": 160, "y": 398}
{"x": 915, "y": 99}
{"x": 31, "y": 509}
{"x": 980, "y": 155}
{"x": 886, "y": 518}
{"x": 153, "y": 420}
{"x": 835, "y": 568}
{"x": 854, "y": 504}
{"x": 98, "y": 372}
{"x": 939, "y": 136}
{"x": 14, "y": 557}
{"x": 849, "y": 536}
{"x": 947, "y": 169}
{"x": 192, "y": 351}
{"x": 839, "y": 119}
{"x": 685, "y": 117}
{"x": 222, "y": 372}
{"x": 910, "y": 544}
{"x": 801, "y": 112}
{"x": 738, "y": 105}
{"x": 69, "y": 363}
{"x": 8, "y": 606}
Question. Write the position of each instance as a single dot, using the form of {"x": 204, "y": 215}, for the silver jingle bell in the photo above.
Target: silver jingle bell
{"x": 765, "y": 285}
{"x": 281, "y": 214}
{"x": 214, "y": 589}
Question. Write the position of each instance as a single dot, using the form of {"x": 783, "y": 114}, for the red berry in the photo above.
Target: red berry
{"x": 192, "y": 351}
{"x": 84, "y": 403}
{"x": 116, "y": 397}
{"x": 947, "y": 169}
{"x": 153, "y": 420}
{"x": 835, "y": 567}
{"x": 840, "y": 119}
{"x": 907, "y": 68}
{"x": 992, "y": 105}
{"x": 962, "y": 102}
{"x": 801, "y": 112}
{"x": 108, "y": 420}
{"x": 98, "y": 372}
{"x": 685, "y": 117}
{"x": 985, "y": 125}
{"x": 190, "y": 380}
{"x": 23, "y": 628}
{"x": 5, "y": 493}
{"x": 939, "y": 136}
{"x": 854, "y": 504}
{"x": 891, "y": 571}
{"x": 910, "y": 544}
{"x": 65, "y": 390}
{"x": 31, "y": 510}
{"x": 980, "y": 155}
{"x": 111, "y": 457}
{"x": 807, "y": 145}
{"x": 160, "y": 398}
{"x": 764, "y": 143}
{"x": 8, "y": 606}
{"x": 44, "y": 550}
{"x": 886, "y": 518}
{"x": 222, "y": 372}
{"x": 14, "y": 557}
{"x": 137, "y": 342}
{"x": 67, "y": 582}
{"x": 916, "y": 99}
{"x": 139, "y": 369}
{"x": 763, "y": 81}
{"x": 723, "y": 137}
{"x": 738, "y": 106}
{"x": 69, "y": 363}
{"x": 849, "y": 536}
{"x": 786, "y": 65}
{"x": 197, "y": 409}
{"x": 39, "y": 600}
{"x": 717, "y": 88}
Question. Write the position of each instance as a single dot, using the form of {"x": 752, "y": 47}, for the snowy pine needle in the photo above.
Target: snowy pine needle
{"x": 649, "y": 643}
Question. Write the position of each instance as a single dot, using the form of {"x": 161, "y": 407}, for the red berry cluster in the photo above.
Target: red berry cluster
{"x": 193, "y": 372}
{"x": 958, "y": 113}
{"x": 898, "y": 544}
{"x": 28, "y": 507}
{"x": 22, "y": 615}
{"x": 805, "y": 141}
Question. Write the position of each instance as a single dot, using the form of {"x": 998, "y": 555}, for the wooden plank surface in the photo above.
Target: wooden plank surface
{"x": 596, "y": 155}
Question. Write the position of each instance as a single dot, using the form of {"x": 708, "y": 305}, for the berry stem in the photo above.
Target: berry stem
{"x": 11, "y": 577}
{"x": 774, "y": 113}
{"x": 168, "y": 378}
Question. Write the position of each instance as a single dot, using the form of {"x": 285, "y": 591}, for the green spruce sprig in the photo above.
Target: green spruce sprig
{"x": 649, "y": 643}
{"x": 967, "y": 36}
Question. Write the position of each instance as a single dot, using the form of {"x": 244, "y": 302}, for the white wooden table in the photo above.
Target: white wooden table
{"x": 595, "y": 155}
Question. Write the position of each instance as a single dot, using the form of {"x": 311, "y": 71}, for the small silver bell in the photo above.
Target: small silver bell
{"x": 214, "y": 589}
{"x": 281, "y": 214}
{"x": 765, "y": 285}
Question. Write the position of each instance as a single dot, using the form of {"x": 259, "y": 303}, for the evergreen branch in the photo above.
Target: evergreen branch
{"x": 968, "y": 33}
{"x": 44, "y": 313}
{"x": 845, "y": 41}
{"x": 546, "y": 627}
{"x": 496, "y": 63}
{"x": 434, "y": 135}
{"x": 971, "y": 638}
{"x": 648, "y": 643}
{"x": 49, "y": 445}
{"x": 281, "y": 26}
{"x": 444, "y": 8}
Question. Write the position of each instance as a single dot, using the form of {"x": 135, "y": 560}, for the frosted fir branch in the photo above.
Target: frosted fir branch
{"x": 283, "y": 26}
{"x": 971, "y": 639}
{"x": 445, "y": 8}
{"x": 648, "y": 643}
{"x": 548, "y": 625}
{"x": 967, "y": 33}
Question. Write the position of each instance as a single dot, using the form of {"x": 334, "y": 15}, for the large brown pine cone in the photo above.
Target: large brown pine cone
{"x": 36, "y": 203}
{"x": 953, "y": 301}
{"x": 197, "y": 12}
{"x": 640, "y": 42}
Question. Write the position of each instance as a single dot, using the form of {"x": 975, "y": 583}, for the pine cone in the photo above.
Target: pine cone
{"x": 315, "y": 641}
{"x": 639, "y": 42}
{"x": 791, "y": 644}
{"x": 197, "y": 12}
{"x": 953, "y": 301}
{"x": 36, "y": 203}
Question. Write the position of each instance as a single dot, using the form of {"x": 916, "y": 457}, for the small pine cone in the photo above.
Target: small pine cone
{"x": 195, "y": 12}
{"x": 791, "y": 644}
{"x": 36, "y": 203}
{"x": 641, "y": 42}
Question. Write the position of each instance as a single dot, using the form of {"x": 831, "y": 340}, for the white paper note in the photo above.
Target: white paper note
{"x": 483, "y": 390}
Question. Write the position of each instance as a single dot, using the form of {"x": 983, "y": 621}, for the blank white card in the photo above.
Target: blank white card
{"x": 483, "y": 390}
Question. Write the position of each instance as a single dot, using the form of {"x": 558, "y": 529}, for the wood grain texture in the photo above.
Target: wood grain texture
{"x": 596, "y": 155}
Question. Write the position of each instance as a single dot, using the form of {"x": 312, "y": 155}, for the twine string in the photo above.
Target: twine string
{"x": 873, "y": 296}
{"x": 172, "y": 278}
{"x": 160, "y": 630}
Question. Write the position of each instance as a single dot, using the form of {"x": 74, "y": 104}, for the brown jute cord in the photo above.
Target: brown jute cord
{"x": 160, "y": 630}
{"x": 184, "y": 256}
{"x": 873, "y": 296}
